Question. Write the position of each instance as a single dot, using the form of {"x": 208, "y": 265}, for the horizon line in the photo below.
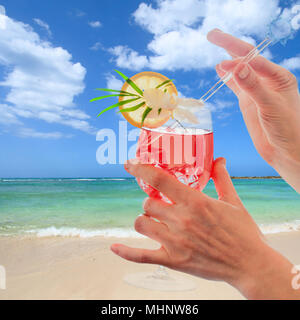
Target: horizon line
{"x": 232, "y": 177}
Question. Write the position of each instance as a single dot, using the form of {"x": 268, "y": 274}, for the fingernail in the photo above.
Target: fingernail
{"x": 128, "y": 164}
{"x": 226, "y": 65}
{"x": 244, "y": 72}
{"x": 218, "y": 30}
{"x": 114, "y": 249}
{"x": 134, "y": 161}
{"x": 144, "y": 201}
{"x": 224, "y": 162}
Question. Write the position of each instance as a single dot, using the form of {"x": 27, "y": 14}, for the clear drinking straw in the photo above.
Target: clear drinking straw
{"x": 251, "y": 55}
{"x": 219, "y": 84}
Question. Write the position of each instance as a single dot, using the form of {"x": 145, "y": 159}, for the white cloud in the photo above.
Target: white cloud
{"x": 95, "y": 24}
{"x": 43, "y": 25}
{"x": 2, "y": 18}
{"x": 77, "y": 13}
{"x": 128, "y": 58}
{"x": 116, "y": 84}
{"x": 97, "y": 46}
{"x": 219, "y": 105}
{"x": 223, "y": 115}
{"x": 291, "y": 63}
{"x": 41, "y": 79}
{"x": 203, "y": 83}
{"x": 7, "y": 116}
{"x": 181, "y": 95}
{"x": 113, "y": 83}
{"x": 169, "y": 15}
{"x": 179, "y": 31}
{"x": 31, "y": 133}
{"x": 267, "y": 54}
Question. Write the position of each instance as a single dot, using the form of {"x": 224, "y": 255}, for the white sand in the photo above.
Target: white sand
{"x": 75, "y": 268}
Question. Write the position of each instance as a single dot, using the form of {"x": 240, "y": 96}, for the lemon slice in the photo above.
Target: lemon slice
{"x": 146, "y": 80}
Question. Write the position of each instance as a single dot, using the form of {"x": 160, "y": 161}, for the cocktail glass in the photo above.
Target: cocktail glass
{"x": 185, "y": 151}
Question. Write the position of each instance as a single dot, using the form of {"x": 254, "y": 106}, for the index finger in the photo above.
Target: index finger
{"x": 230, "y": 43}
{"x": 158, "y": 256}
{"x": 162, "y": 181}
{"x": 239, "y": 48}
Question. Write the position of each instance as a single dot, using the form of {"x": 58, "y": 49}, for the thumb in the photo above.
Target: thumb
{"x": 223, "y": 183}
{"x": 247, "y": 79}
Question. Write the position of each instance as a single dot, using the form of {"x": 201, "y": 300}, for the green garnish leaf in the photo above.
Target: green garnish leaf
{"x": 146, "y": 112}
{"x": 130, "y": 82}
{"x": 109, "y": 96}
{"x": 120, "y": 91}
{"x": 164, "y": 83}
{"x": 121, "y": 103}
{"x": 159, "y": 111}
{"x": 133, "y": 108}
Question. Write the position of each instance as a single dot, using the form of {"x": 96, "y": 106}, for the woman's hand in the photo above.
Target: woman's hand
{"x": 205, "y": 237}
{"x": 269, "y": 100}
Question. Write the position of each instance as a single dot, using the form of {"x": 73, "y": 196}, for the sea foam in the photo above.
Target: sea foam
{"x": 85, "y": 233}
{"x": 280, "y": 227}
{"x": 130, "y": 233}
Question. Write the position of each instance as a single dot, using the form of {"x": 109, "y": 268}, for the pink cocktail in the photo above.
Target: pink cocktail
{"x": 185, "y": 151}
{"x": 186, "y": 154}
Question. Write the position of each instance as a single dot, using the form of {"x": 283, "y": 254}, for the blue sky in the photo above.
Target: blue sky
{"x": 54, "y": 53}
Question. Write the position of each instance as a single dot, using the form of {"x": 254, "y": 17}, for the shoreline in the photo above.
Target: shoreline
{"x": 129, "y": 232}
{"x": 3, "y": 179}
{"x": 85, "y": 268}
{"x": 20, "y": 237}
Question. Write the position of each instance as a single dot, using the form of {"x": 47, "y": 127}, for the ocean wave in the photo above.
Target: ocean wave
{"x": 81, "y": 179}
{"x": 53, "y": 231}
{"x": 85, "y": 233}
{"x": 32, "y": 180}
{"x": 19, "y": 180}
{"x": 62, "y": 179}
{"x": 113, "y": 179}
{"x": 280, "y": 227}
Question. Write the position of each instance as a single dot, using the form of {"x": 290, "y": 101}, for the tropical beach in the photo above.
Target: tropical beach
{"x": 149, "y": 150}
{"x": 85, "y": 268}
{"x": 88, "y": 207}
{"x": 56, "y": 236}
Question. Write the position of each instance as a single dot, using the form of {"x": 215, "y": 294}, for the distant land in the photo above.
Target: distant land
{"x": 254, "y": 177}
{"x": 116, "y": 178}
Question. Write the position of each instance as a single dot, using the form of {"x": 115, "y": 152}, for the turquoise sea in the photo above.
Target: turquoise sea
{"x": 90, "y": 207}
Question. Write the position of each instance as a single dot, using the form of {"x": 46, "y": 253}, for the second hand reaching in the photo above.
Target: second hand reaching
{"x": 219, "y": 84}
{"x": 251, "y": 55}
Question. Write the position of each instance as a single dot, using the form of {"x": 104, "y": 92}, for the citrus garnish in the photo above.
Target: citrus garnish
{"x": 148, "y": 112}
{"x": 149, "y": 99}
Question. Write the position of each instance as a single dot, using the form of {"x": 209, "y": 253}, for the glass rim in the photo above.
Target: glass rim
{"x": 180, "y": 126}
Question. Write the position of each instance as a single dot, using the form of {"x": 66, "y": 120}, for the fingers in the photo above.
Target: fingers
{"x": 247, "y": 106}
{"x": 230, "y": 84}
{"x": 263, "y": 67}
{"x": 231, "y": 44}
{"x": 140, "y": 255}
{"x": 239, "y": 48}
{"x": 160, "y": 180}
{"x": 223, "y": 183}
{"x": 152, "y": 229}
{"x": 157, "y": 209}
{"x": 250, "y": 83}
{"x": 229, "y": 65}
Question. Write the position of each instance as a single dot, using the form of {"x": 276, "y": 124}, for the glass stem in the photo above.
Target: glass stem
{"x": 161, "y": 273}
